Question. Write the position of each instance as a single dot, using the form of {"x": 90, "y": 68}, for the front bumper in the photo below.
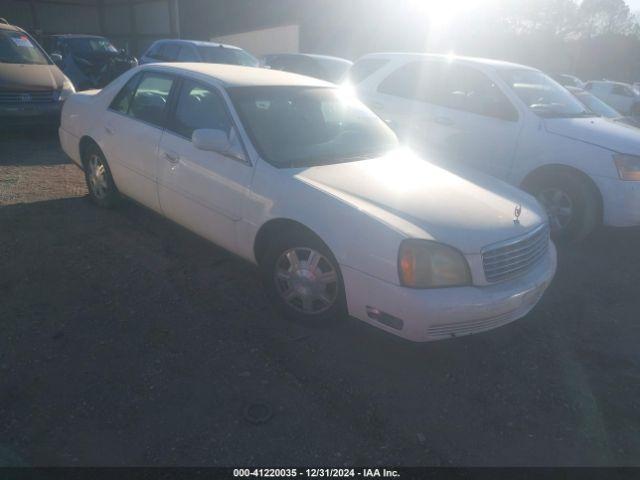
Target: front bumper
{"x": 30, "y": 113}
{"x": 621, "y": 201}
{"x": 437, "y": 314}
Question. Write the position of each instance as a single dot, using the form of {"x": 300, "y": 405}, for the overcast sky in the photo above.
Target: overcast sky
{"x": 634, "y": 5}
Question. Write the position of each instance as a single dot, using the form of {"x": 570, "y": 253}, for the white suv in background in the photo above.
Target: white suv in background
{"x": 620, "y": 96}
{"x": 513, "y": 122}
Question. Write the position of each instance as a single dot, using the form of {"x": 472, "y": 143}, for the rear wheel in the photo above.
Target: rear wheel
{"x": 570, "y": 202}
{"x": 102, "y": 189}
{"x": 303, "y": 279}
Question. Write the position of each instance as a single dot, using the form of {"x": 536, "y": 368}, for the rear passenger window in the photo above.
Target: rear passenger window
{"x": 150, "y": 99}
{"x": 622, "y": 90}
{"x": 122, "y": 101}
{"x": 199, "y": 107}
{"x": 187, "y": 54}
{"x": 365, "y": 68}
{"x": 169, "y": 52}
{"x": 408, "y": 81}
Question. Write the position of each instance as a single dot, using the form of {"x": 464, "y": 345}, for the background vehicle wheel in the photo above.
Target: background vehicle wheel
{"x": 302, "y": 278}
{"x": 102, "y": 189}
{"x": 570, "y": 202}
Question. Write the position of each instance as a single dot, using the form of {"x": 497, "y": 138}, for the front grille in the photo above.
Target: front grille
{"x": 21, "y": 98}
{"x": 509, "y": 260}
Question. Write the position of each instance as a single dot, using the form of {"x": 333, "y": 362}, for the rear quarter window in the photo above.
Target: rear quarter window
{"x": 363, "y": 69}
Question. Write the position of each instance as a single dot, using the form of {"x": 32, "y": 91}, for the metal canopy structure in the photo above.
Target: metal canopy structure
{"x": 129, "y": 23}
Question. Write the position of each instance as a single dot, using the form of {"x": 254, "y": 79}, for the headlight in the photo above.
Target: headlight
{"x": 427, "y": 264}
{"x": 67, "y": 89}
{"x": 628, "y": 166}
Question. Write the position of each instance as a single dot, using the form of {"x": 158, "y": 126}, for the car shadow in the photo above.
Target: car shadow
{"x": 31, "y": 146}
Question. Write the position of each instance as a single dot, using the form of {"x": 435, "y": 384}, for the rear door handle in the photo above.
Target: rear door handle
{"x": 109, "y": 130}
{"x": 172, "y": 157}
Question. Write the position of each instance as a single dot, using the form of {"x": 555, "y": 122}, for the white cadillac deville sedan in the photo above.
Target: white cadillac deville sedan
{"x": 294, "y": 175}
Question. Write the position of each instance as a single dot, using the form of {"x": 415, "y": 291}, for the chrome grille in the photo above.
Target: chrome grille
{"x": 21, "y": 98}
{"x": 514, "y": 258}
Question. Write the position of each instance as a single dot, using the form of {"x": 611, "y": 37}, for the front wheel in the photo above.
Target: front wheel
{"x": 570, "y": 202}
{"x": 303, "y": 279}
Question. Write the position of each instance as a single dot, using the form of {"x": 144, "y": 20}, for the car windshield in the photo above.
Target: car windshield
{"x": 17, "y": 47}
{"x": 232, "y": 56}
{"x": 544, "y": 96}
{"x": 81, "y": 46}
{"x": 307, "y": 126}
{"x": 596, "y": 105}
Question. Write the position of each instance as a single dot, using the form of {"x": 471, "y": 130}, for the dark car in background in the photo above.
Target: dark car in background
{"x": 32, "y": 87}
{"x": 324, "y": 67}
{"x": 90, "y": 61}
{"x": 197, "y": 51}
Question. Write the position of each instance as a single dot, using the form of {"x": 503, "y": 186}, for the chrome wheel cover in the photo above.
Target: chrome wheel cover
{"x": 306, "y": 280}
{"x": 559, "y": 207}
{"x": 97, "y": 175}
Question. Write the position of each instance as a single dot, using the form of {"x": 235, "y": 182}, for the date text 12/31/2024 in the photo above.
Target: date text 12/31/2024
{"x": 316, "y": 472}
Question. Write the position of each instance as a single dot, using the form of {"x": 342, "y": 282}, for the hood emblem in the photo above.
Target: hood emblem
{"x": 516, "y": 214}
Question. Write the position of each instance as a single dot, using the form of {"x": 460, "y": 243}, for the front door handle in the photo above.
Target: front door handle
{"x": 108, "y": 129}
{"x": 172, "y": 157}
{"x": 377, "y": 105}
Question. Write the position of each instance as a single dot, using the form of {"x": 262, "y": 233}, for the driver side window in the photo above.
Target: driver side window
{"x": 198, "y": 106}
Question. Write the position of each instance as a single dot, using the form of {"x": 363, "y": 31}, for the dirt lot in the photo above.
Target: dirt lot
{"x": 126, "y": 340}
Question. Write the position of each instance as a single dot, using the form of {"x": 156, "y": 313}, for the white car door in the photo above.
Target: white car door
{"x": 400, "y": 101}
{"x": 202, "y": 190}
{"x": 133, "y": 128}
{"x": 454, "y": 113}
{"x": 485, "y": 124}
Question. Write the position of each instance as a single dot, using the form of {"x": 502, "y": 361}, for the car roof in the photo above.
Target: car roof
{"x": 488, "y": 62}
{"x": 609, "y": 82}
{"x": 238, "y": 76}
{"x": 74, "y": 35}
{"x": 310, "y": 55}
{"x": 197, "y": 43}
{"x": 8, "y": 26}
{"x": 575, "y": 90}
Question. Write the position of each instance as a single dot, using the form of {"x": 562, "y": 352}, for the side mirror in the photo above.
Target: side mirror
{"x": 56, "y": 57}
{"x": 218, "y": 141}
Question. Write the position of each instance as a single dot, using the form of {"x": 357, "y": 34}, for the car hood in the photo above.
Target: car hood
{"x": 603, "y": 132}
{"x": 30, "y": 77}
{"x": 465, "y": 209}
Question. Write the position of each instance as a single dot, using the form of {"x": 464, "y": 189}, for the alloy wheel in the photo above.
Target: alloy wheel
{"x": 559, "y": 207}
{"x": 306, "y": 280}
{"x": 97, "y": 175}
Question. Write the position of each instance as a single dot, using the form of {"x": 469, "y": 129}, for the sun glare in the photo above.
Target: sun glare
{"x": 441, "y": 13}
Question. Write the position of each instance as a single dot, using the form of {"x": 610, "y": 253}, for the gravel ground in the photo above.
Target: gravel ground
{"x": 126, "y": 340}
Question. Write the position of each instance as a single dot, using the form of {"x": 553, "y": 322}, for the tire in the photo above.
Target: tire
{"x": 571, "y": 203}
{"x": 300, "y": 294}
{"x": 97, "y": 174}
